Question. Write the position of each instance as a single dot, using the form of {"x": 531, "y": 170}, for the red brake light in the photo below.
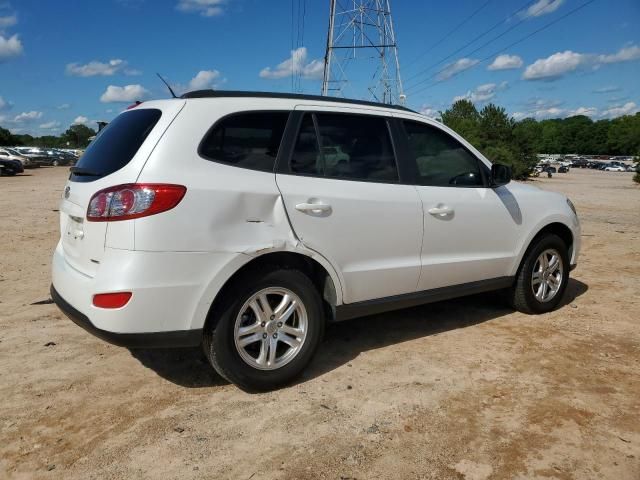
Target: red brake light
{"x": 111, "y": 300}
{"x": 134, "y": 200}
{"x": 134, "y": 105}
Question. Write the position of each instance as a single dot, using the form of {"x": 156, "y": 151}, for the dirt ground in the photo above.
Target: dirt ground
{"x": 464, "y": 389}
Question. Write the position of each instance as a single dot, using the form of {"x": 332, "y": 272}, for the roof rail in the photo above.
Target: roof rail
{"x": 297, "y": 96}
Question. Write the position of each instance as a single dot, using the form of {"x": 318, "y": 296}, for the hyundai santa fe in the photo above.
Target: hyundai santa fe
{"x": 244, "y": 222}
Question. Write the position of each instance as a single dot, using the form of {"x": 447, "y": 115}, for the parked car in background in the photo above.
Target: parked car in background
{"x": 550, "y": 169}
{"x": 211, "y": 220}
{"x": 9, "y": 154}
{"x": 10, "y": 167}
{"x": 580, "y": 163}
{"x": 36, "y": 156}
{"x": 563, "y": 169}
{"x": 615, "y": 168}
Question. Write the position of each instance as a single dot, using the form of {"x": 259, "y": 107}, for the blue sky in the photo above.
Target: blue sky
{"x": 85, "y": 60}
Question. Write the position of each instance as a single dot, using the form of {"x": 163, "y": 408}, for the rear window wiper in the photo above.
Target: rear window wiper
{"x": 85, "y": 171}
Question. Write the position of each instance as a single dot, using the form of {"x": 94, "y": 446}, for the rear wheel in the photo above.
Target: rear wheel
{"x": 542, "y": 277}
{"x": 267, "y": 331}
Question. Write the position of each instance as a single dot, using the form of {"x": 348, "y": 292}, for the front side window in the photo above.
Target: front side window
{"x": 350, "y": 147}
{"x": 441, "y": 161}
{"x": 248, "y": 140}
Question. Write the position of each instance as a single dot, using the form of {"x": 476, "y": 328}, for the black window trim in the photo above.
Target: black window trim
{"x": 282, "y": 145}
{"x": 414, "y": 168}
{"x": 283, "y": 165}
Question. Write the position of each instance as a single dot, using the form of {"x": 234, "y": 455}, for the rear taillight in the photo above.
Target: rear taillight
{"x": 111, "y": 300}
{"x": 135, "y": 200}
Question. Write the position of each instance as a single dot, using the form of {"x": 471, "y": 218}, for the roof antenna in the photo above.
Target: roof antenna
{"x": 168, "y": 86}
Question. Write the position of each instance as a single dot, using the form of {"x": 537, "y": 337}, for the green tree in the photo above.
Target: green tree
{"x": 463, "y": 117}
{"x": 77, "y": 136}
{"x": 6, "y": 138}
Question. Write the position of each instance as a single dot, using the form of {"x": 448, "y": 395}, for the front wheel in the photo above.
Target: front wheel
{"x": 267, "y": 331}
{"x": 542, "y": 277}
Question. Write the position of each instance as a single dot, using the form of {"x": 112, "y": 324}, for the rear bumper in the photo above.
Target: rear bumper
{"x": 179, "y": 338}
{"x": 171, "y": 294}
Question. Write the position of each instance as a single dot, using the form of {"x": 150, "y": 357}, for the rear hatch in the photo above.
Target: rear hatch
{"x": 116, "y": 156}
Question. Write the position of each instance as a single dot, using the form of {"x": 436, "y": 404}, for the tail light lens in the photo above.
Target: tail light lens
{"x": 135, "y": 200}
{"x": 111, "y": 300}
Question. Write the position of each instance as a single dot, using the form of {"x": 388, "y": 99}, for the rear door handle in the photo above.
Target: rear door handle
{"x": 314, "y": 208}
{"x": 441, "y": 211}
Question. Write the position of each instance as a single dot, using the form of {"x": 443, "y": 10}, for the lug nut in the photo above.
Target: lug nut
{"x": 272, "y": 317}
{"x": 264, "y": 335}
{"x": 279, "y": 324}
{"x": 262, "y": 324}
{"x": 275, "y": 335}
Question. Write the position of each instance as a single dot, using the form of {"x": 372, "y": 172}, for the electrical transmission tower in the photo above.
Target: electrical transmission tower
{"x": 361, "y": 32}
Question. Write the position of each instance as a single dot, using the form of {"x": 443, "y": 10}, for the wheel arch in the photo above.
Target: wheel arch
{"x": 325, "y": 280}
{"x": 555, "y": 227}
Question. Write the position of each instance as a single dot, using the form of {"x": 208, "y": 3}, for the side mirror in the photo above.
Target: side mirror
{"x": 500, "y": 175}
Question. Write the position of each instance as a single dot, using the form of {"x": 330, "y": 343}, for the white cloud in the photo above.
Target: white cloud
{"x": 506, "y": 62}
{"x": 542, "y": 7}
{"x": 10, "y": 47}
{"x": 547, "y": 112}
{"x": 81, "y": 120}
{"x": 128, "y": 93}
{"x": 429, "y": 112}
{"x": 206, "y": 8}
{"x": 628, "y": 108}
{"x": 607, "y": 89}
{"x": 482, "y": 93}
{"x": 27, "y": 116}
{"x": 8, "y": 21}
{"x": 554, "y": 66}
{"x": 561, "y": 63}
{"x": 296, "y": 64}
{"x": 96, "y": 68}
{"x": 4, "y": 105}
{"x": 588, "y": 111}
{"x": 64, "y": 106}
{"x": 626, "y": 54}
{"x": 50, "y": 125}
{"x": 456, "y": 67}
{"x": 204, "y": 79}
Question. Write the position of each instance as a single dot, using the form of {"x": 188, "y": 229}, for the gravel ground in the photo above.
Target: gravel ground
{"x": 464, "y": 389}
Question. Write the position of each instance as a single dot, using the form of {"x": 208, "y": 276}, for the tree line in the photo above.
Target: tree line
{"x": 76, "y": 136}
{"x": 503, "y": 140}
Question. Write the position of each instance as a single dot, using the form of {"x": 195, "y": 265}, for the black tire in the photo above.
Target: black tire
{"x": 219, "y": 344}
{"x": 521, "y": 295}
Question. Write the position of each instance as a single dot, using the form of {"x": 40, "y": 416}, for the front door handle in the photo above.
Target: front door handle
{"x": 440, "y": 211}
{"x": 314, "y": 208}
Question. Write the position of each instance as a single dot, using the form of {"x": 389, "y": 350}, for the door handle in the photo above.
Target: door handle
{"x": 314, "y": 208}
{"x": 441, "y": 211}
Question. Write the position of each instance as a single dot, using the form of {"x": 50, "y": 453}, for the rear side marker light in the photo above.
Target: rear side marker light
{"x": 111, "y": 300}
{"x": 134, "y": 200}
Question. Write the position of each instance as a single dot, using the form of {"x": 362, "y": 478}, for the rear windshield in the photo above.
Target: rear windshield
{"x": 115, "y": 145}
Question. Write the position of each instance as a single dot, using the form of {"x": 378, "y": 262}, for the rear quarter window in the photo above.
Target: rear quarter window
{"x": 247, "y": 140}
{"x": 115, "y": 146}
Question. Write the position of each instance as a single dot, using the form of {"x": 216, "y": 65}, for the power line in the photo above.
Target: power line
{"x": 526, "y": 37}
{"x": 447, "y": 35}
{"x": 292, "y": 23}
{"x": 471, "y": 42}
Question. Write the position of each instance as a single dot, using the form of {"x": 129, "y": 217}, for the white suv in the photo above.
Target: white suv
{"x": 216, "y": 219}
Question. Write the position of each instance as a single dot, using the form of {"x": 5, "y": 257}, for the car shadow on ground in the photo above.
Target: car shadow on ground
{"x": 344, "y": 341}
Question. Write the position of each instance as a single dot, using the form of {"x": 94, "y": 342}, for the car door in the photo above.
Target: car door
{"x": 471, "y": 231}
{"x": 350, "y": 205}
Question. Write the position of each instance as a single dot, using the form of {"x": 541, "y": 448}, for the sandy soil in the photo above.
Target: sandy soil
{"x": 460, "y": 389}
